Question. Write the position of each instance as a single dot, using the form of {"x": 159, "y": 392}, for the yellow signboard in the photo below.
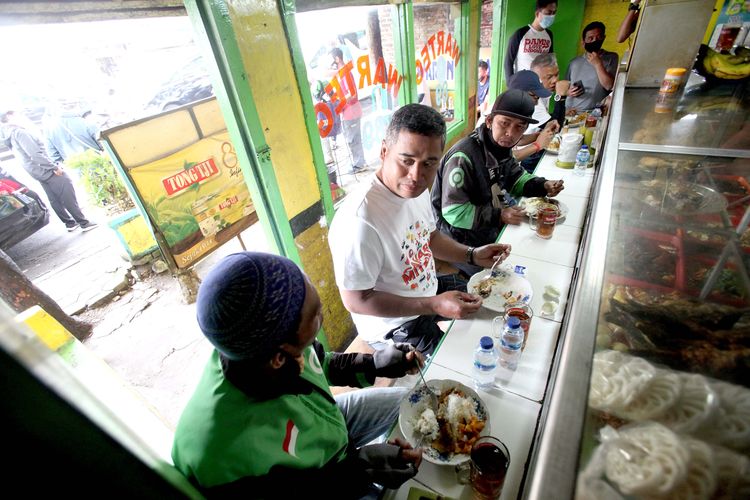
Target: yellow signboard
{"x": 197, "y": 197}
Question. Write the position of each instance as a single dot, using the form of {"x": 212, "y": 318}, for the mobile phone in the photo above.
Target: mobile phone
{"x": 578, "y": 84}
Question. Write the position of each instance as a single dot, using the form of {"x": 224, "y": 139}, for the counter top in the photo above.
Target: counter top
{"x": 515, "y": 400}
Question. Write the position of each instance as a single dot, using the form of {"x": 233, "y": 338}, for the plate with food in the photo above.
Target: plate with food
{"x": 533, "y": 205}
{"x": 501, "y": 289}
{"x": 448, "y": 433}
{"x": 682, "y": 198}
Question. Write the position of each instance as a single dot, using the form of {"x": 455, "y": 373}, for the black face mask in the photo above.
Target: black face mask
{"x": 594, "y": 46}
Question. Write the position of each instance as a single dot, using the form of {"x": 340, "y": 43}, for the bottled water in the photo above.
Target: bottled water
{"x": 582, "y": 160}
{"x": 510, "y": 343}
{"x": 485, "y": 363}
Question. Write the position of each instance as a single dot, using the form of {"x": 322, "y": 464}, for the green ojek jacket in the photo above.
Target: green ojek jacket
{"x": 228, "y": 439}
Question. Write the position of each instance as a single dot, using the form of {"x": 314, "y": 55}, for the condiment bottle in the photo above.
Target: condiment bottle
{"x": 672, "y": 80}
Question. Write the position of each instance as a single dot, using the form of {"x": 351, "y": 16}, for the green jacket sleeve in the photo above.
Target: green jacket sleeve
{"x": 459, "y": 182}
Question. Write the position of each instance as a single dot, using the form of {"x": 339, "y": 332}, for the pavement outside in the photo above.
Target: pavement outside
{"x": 142, "y": 327}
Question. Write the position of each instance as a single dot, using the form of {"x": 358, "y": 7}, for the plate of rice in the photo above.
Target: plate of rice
{"x": 447, "y": 435}
{"x": 502, "y": 290}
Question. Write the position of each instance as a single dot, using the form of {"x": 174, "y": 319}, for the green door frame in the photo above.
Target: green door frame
{"x": 403, "y": 39}
{"x": 216, "y": 36}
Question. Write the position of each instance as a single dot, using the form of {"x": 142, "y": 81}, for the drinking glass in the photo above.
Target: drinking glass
{"x": 546, "y": 221}
{"x": 489, "y": 463}
{"x": 524, "y": 313}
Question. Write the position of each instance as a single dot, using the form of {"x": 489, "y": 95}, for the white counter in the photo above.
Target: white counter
{"x": 515, "y": 402}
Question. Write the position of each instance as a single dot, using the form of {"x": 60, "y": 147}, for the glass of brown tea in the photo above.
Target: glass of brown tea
{"x": 489, "y": 463}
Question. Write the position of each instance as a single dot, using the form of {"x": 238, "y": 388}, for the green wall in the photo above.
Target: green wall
{"x": 566, "y": 31}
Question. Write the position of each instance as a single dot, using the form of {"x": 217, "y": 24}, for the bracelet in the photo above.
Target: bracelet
{"x": 537, "y": 147}
{"x": 470, "y": 255}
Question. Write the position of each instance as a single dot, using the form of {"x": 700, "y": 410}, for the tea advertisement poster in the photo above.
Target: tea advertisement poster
{"x": 197, "y": 197}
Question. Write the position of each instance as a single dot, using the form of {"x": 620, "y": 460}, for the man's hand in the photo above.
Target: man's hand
{"x": 574, "y": 91}
{"x": 397, "y": 360}
{"x": 553, "y": 126}
{"x": 554, "y": 187}
{"x": 562, "y": 87}
{"x": 408, "y": 453}
{"x": 486, "y": 255}
{"x": 58, "y": 171}
{"x": 456, "y": 305}
{"x": 389, "y": 464}
{"x": 545, "y": 136}
{"x": 594, "y": 59}
{"x": 511, "y": 215}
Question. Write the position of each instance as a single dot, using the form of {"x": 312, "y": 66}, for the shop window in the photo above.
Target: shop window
{"x": 437, "y": 37}
{"x": 354, "y": 84}
{"x": 485, "y": 64}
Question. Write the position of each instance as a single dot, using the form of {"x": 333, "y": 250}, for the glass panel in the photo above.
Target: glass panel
{"x": 438, "y": 53}
{"x": 712, "y": 117}
{"x": 354, "y": 85}
{"x": 484, "y": 100}
{"x": 671, "y": 372}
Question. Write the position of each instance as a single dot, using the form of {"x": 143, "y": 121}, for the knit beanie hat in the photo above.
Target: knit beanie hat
{"x": 250, "y": 303}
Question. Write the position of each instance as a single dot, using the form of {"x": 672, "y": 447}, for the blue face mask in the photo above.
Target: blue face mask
{"x": 547, "y": 21}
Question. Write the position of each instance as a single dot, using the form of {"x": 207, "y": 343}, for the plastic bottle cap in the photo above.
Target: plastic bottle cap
{"x": 676, "y": 71}
{"x": 486, "y": 342}
{"x": 514, "y": 322}
{"x": 584, "y": 147}
{"x": 520, "y": 270}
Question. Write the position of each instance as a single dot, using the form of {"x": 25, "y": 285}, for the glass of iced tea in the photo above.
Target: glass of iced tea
{"x": 524, "y": 313}
{"x": 489, "y": 463}
{"x": 546, "y": 221}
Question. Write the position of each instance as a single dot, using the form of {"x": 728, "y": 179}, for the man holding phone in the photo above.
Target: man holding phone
{"x": 593, "y": 72}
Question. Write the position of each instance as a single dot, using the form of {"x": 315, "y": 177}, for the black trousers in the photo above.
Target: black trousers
{"x": 62, "y": 197}
{"x": 423, "y": 332}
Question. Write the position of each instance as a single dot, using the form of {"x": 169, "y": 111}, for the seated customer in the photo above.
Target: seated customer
{"x": 537, "y": 137}
{"x": 384, "y": 242}
{"x": 262, "y": 422}
{"x": 473, "y": 190}
{"x": 595, "y": 69}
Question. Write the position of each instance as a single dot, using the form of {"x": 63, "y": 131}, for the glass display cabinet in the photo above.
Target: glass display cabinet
{"x": 649, "y": 394}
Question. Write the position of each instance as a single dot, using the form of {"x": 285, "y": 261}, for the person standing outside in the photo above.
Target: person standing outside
{"x": 477, "y": 178}
{"x": 55, "y": 182}
{"x": 351, "y": 116}
{"x": 68, "y": 134}
{"x": 595, "y": 69}
{"x": 483, "y": 88}
{"x": 384, "y": 242}
{"x": 528, "y": 42}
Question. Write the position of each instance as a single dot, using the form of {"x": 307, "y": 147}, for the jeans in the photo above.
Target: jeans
{"x": 62, "y": 197}
{"x": 370, "y": 413}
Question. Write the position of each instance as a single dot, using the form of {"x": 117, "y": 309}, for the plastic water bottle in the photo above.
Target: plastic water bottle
{"x": 510, "y": 343}
{"x": 582, "y": 161}
{"x": 485, "y": 363}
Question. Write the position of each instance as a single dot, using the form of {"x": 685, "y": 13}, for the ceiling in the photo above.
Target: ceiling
{"x": 25, "y": 12}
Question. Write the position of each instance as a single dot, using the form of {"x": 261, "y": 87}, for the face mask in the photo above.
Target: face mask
{"x": 547, "y": 21}
{"x": 593, "y": 46}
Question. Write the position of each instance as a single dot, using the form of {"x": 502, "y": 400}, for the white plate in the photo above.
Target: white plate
{"x": 530, "y": 205}
{"x": 415, "y": 403}
{"x": 507, "y": 289}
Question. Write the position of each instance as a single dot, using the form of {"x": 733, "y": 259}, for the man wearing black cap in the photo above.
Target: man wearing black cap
{"x": 262, "y": 422}
{"x": 477, "y": 178}
{"x": 536, "y": 139}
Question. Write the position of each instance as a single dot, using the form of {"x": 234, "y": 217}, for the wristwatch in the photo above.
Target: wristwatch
{"x": 559, "y": 97}
{"x": 634, "y": 6}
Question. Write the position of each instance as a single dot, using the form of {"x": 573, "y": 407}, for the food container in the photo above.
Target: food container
{"x": 569, "y": 146}
{"x": 672, "y": 80}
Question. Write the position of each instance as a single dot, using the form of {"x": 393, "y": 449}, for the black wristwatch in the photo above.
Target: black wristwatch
{"x": 634, "y": 6}
{"x": 559, "y": 97}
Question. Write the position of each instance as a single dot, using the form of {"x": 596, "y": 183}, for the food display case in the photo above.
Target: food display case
{"x": 649, "y": 395}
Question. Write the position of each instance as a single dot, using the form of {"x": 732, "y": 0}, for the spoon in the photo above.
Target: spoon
{"x": 490, "y": 275}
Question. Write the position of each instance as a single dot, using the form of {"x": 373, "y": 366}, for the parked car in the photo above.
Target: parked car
{"x": 22, "y": 212}
{"x": 188, "y": 84}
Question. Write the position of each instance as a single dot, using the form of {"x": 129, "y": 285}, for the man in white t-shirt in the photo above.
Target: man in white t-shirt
{"x": 531, "y": 40}
{"x": 384, "y": 242}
